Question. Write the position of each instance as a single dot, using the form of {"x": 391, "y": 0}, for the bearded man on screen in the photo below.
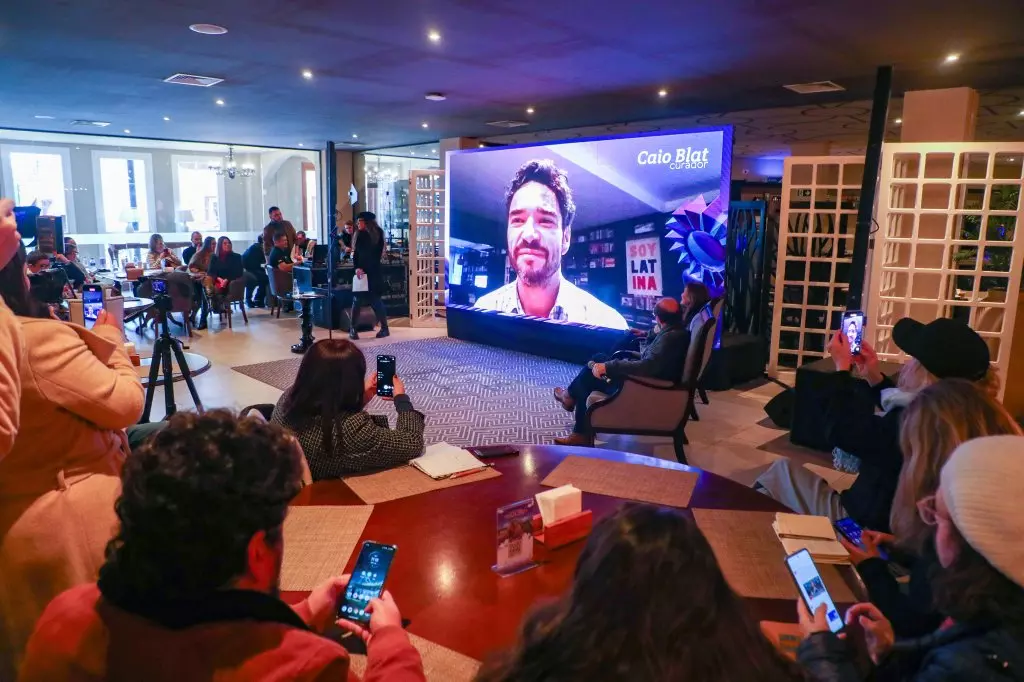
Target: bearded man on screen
{"x": 540, "y": 212}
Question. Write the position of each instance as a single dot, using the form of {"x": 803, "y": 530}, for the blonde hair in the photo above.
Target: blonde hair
{"x": 942, "y": 416}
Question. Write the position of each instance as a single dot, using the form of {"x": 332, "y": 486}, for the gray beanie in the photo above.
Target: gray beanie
{"x": 981, "y": 485}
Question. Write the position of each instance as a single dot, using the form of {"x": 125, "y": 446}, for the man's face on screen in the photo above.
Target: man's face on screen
{"x": 536, "y": 238}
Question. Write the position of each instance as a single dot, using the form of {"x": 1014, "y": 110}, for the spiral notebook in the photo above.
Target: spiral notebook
{"x": 443, "y": 460}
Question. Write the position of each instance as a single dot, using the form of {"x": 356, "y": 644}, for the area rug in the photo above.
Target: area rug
{"x": 471, "y": 394}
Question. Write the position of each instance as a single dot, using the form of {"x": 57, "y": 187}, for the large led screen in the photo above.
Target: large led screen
{"x": 588, "y": 232}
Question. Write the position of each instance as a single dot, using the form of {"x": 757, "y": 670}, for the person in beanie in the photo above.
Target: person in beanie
{"x": 942, "y": 349}
{"x": 979, "y": 525}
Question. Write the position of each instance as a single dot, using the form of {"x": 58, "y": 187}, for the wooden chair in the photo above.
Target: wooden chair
{"x": 235, "y": 296}
{"x": 280, "y": 283}
{"x": 653, "y": 407}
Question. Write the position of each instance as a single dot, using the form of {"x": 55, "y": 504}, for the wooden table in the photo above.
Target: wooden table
{"x": 442, "y": 578}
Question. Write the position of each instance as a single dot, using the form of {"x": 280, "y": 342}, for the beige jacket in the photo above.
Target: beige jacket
{"x": 79, "y": 391}
{"x": 11, "y": 347}
{"x": 59, "y": 481}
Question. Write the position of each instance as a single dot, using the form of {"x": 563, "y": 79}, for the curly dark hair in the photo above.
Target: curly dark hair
{"x": 973, "y": 591}
{"x": 192, "y": 498}
{"x": 648, "y": 602}
{"x": 551, "y": 176}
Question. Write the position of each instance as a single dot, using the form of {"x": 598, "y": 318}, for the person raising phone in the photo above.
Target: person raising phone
{"x": 943, "y": 348}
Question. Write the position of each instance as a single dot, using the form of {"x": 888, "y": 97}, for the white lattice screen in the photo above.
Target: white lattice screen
{"x": 820, "y": 196}
{"x": 949, "y": 243}
{"x": 427, "y": 248}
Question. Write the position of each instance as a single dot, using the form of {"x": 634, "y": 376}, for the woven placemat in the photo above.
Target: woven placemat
{"x": 405, "y": 481}
{"x": 752, "y": 558}
{"x": 318, "y": 542}
{"x": 439, "y": 663}
{"x": 629, "y": 481}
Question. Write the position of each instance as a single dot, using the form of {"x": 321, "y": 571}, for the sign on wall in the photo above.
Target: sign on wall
{"x": 643, "y": 257}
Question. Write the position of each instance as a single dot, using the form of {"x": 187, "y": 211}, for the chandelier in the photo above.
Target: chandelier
{"x": 378, "y": 177}
{"x": 230, "y": 167}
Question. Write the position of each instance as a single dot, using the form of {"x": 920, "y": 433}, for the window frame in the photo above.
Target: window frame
{"x": 147, "y": 159}
{"x": 65, "y": 161}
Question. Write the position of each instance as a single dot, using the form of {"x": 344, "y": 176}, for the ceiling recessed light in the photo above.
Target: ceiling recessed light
{"x": 434, "y": 36}
{"x": 481, "y": 146}
{"x": 898, "y": 121}
{"x": 44, "y": 117}
{"x": 529, "y": 110}
{"x": 1021, "y": 112}
{"x": 663, "y": 93}
{"x": 413, "y": 153}
{"x": 434, "y": 151}
{"x": 435, "y": 97}
{"x": 220, "y": 102}
{"x": 354, "y": 136}
{"x": 307, "y": 74}
{"x": 952, "y": 57}
{"x": 424, "y": 125}
{"x": 208, "y": 29}
{"x": 167, "y": 118}
{"x": 127, "y": 132}
{"x": 301, "y": 145}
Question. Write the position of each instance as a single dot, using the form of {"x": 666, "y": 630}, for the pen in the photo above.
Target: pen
{"x": 469, "y": 472}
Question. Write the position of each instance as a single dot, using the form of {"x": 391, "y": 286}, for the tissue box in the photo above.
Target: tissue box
{"x": 559, "y": 503}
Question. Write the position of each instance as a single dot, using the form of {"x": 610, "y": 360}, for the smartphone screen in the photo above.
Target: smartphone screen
{"x": 853, "y": 327}
{"x": 812, "y": 588}
{"x": 849, "y": 529}
{"x": 92, "y": 303}
{"x": 386, "y": 375}
{"x": 367, "y": 581}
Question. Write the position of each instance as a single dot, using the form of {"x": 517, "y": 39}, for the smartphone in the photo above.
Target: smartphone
{"x": 812, "y": 587}
{"x": 367, "y": 581}
{"x": 386, "y": 376}
{"x": 92, "y": 303}
{"x": 850, "y": 530}
{"x": 853, "y": 327}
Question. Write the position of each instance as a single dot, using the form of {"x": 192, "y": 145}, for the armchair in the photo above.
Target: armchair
{"x": 653, "y": 407}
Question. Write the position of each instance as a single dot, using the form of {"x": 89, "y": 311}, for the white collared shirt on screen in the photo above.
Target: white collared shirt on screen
{"x": 571, "y": 305}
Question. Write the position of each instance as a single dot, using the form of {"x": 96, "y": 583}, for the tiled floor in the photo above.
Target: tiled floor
{"x": 732, "y": 438}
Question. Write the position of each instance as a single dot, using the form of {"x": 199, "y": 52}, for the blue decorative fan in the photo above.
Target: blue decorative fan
{"x": 697, "y": 231}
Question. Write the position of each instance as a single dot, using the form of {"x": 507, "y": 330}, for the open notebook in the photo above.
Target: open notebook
{"x": 442, "y": 460}
{"x": 813, "y": 533}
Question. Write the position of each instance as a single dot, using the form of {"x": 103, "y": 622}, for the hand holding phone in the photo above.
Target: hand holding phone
{"x": 853, "y": 328}
{"x": 92, "y": 304}
{"x": 812, "y": 588}
{"x": 367, "y": 583}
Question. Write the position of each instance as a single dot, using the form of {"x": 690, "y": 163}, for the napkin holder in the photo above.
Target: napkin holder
{"x": 564, "y": 531}
{"x": 132, "y": 274}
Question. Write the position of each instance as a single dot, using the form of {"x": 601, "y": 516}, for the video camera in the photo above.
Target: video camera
{"x": 161, "y": 299}
{"x": 47, "y": 286}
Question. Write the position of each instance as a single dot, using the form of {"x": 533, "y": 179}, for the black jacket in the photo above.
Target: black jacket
{"x": 229, "y": 268}
{"x": 851, "y": 424}
{"x": 911, "y": 613}
{"x": 366, "y": 255}
{"x": 253, "y": 259}
{"x": 187, "y": 254}
{"x": 662, "y": 358}
{"x": 960, "y": 653}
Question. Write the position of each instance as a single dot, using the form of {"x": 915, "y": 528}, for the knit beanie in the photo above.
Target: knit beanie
{"x": 981, "y": 484}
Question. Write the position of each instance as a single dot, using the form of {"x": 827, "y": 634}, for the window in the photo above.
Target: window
{"x": 38, "y": 176}
{"x": 124, "y": 191}
{"x": 311, "y": 208}
{"x": 197, "y": 194}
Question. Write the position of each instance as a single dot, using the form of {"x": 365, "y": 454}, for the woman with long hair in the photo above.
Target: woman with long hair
{"x": 58, "y": 482}
{"x": 325, "y": 408}
{"x": 225, "y": 267}
{"x": 976, "y": 523}
{"x": 942, "y": 349}
{"x": 695, "y": 297}
{"x": 159, "y": 255}
{"x": 942, "y": 417}
{"x": 648, "y": 602}
{"x": 201, "y": 259}
{"x": 367, "y": 250}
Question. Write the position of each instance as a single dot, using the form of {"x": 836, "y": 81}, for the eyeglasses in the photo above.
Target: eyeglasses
{"x": 928, "y": 511}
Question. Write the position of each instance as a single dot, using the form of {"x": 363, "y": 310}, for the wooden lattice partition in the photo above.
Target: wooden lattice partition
{"x": 428, "y": 248}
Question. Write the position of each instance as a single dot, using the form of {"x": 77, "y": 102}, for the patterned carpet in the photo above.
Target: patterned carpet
{"x": 471, "y": 394}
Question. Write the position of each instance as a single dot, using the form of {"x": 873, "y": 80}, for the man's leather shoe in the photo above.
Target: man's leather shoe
{"x": 580, "y": 439}
{"x": 383, "y": 334}
{"x": 353, "y": 334}
{"x": 563, "y": 398}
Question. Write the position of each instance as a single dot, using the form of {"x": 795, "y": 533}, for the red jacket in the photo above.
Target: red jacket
{"x": 249, "y": 636}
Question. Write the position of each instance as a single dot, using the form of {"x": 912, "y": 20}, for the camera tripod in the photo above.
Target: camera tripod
{"x": 164, "y": 345}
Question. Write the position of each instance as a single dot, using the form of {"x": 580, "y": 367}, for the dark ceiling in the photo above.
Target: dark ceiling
{"x": 579, "y": 62}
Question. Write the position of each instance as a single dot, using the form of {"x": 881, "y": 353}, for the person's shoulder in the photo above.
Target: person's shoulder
{"x": 974, "y": 654}
{"x": 597, "y": 311}
{"x": 493, "y": 300}
{"x": 73, "y": 608}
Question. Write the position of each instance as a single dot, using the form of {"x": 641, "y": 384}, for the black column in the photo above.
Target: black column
{"x": 331, "y": 215}
{"x": 872, "y": 164}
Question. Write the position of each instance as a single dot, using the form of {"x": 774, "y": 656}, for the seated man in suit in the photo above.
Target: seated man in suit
{"x": 662, "y": 358}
